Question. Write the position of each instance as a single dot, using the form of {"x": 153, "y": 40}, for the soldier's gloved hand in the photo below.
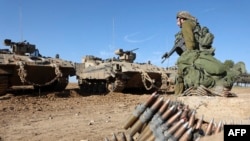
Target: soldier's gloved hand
{"x": 165, "y": 55}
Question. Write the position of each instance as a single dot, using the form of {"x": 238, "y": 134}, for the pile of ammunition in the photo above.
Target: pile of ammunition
{"x": 159, "y": 120}
{"x": 203, "y": 91}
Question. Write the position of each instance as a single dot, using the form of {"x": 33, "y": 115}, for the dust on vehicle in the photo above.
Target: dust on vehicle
{"x": 23, "y": 65}
{"x": 122, "y": 74}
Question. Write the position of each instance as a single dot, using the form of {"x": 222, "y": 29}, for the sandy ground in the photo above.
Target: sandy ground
{"x": 68, "y": 116}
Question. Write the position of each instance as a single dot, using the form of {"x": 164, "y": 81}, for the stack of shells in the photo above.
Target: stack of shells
{"x": 159, "y": 120}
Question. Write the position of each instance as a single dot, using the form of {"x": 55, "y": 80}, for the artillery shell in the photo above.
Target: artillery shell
{"x": 139, "y": 110}
{"x": 199, "y": 123}
{"x": 156, "y": 105}
{"x": 114, "y": 138}
{"x": 180, "y": 131}
{"x": 145, "y": 135}
{"x": 173, "y": 128}
{"x": 144, "y": 132}
{"x": 132, "y": 119}
{"x": 123, "y": 137}
{"x": 151, "y": 138}
{"x": 167, "y": 113}
{"x": 187, "y": 136}
{"x": 209, "y": 128}
{"x": 130, "y": 138}
{"x": 191, "y": 119}
{"x": 106, "y": 139}
{"x": 145, "y": 117}
{"x": 164, "y": 107}
{"x": 135, "y": 128}
{"x": 151, "y": 99}
{"x": 218, "y": 128}
{"x": 172, "y": 119}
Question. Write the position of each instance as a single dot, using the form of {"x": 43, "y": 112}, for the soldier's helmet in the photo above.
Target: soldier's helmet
{"x": 185, "y": 15}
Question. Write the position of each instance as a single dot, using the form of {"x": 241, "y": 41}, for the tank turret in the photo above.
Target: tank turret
{"x": 126, "y": 56}
{"x": 21, "y": 48}
{"x": 22, "y": 64}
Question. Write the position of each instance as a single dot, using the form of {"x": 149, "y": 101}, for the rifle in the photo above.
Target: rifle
{"x": 179, "y": 47}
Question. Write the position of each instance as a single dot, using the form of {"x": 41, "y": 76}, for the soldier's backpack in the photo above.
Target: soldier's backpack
{"x": 205, "y": 39}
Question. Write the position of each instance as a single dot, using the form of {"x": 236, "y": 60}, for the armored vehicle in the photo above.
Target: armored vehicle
{"x": 243, "y": 79}
{"x": 121, "y": 74}
{"x": 22, "y": 64}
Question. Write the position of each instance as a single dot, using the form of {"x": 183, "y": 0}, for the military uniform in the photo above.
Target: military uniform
{"x": 197, "y": 67}
{"x": 187, "y": 33}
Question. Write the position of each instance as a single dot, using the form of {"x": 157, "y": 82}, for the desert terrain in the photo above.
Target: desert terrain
{"x": 69, "y": 116}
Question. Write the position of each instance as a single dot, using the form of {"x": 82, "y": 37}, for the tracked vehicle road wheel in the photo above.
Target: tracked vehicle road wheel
{"x": 59, "y": 85}
{"x": 95, "y": 87}
{"x": 3, "y": 84}
{"x": 85, "y": 87}
{"x": 116, "y": 86}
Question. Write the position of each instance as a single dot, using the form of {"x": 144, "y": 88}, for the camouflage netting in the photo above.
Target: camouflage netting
{"x": 159, "y": 120}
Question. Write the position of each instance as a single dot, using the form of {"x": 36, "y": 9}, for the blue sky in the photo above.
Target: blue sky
{"x": 75, "y": 28}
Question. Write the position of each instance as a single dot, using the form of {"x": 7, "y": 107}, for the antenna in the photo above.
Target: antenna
{"x": 21, "y": 20}
{"x": 113, "y": 33}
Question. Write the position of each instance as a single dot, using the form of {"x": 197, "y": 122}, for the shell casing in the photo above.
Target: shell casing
{"x": 123, "y": 137}
{"x": 218, "y": 128}
{"x": 114, "y": 137}
{"x": 167, "y": 113}
{"x": 168, "y": 133}
{"x": 180, "y": 131}
{"x": 164, "y": 107}
{"x": 209, "y": 128}
{"x": 187, "y": 136}
{"x": 172, "y": 119}
{"x": 191, "y": 120}
{"x": 199, "y": 123}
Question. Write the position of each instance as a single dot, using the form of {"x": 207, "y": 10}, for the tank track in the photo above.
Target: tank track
{"x": 101, "y": 86}
{"x": 3, "y": 84}
{"x": 97, "y": 87}
{"x": 59, "y": 85}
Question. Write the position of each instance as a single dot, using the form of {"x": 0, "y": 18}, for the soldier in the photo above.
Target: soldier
{"x": 197, "y": 67}
{"x": 187, "y": 24}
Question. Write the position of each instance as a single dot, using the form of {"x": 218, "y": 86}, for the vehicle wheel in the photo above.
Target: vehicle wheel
{"x": 116, "y": 86}
{"x": 3, "y": 84}
{"x": 85, "y": 88}
{"x": 59, "y": 85}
